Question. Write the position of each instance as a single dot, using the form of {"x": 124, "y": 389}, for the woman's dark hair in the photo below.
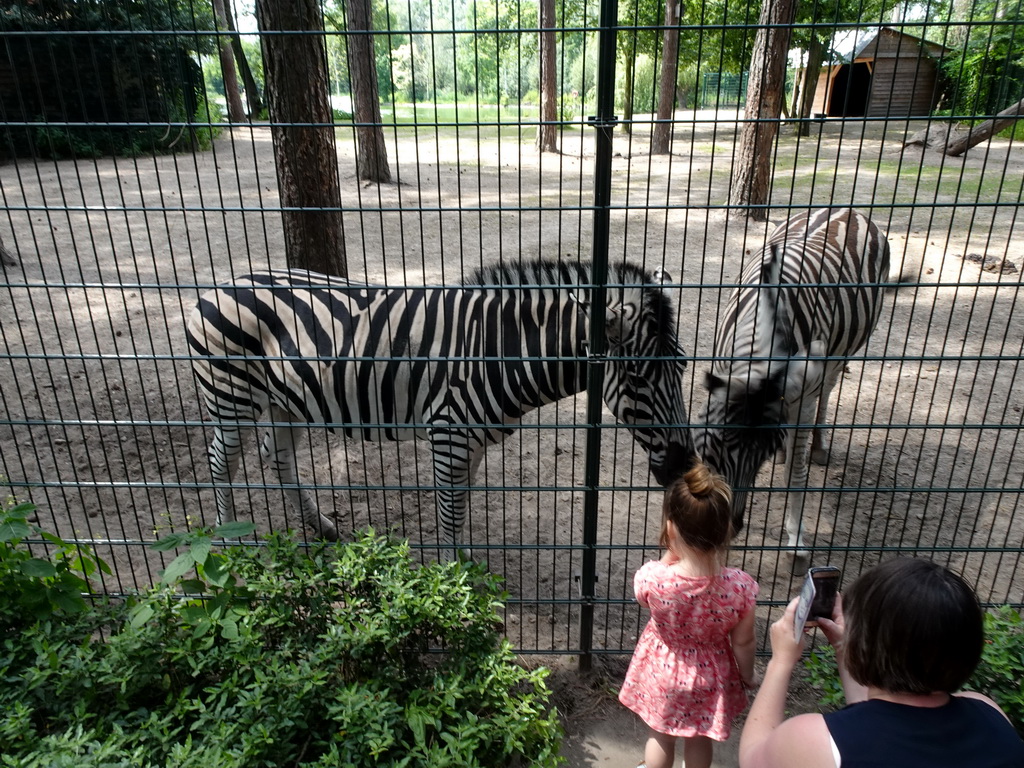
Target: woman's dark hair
{"x": 912, "y": 626}
{"x": 697, "y": 504}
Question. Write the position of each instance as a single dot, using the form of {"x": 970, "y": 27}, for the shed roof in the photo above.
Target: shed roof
{"x": 851, "y": 45}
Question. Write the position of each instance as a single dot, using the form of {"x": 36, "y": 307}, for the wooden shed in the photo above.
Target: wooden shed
{"x": 887, "y": 73}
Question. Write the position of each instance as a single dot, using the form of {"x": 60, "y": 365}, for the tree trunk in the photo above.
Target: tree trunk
{"x": 627, "y": 97}
{"x": 752, "y": 175}
{"x": 252, "y": 91}
{"x": 809, "y": 85}
{"x": 547, "y": 131}
{"x": 667, "y": 83}
{"x": 371, "y": 151}
{"x": 295, "y": 68}
{"x": 236, "y": 112}
{"x": 958, "y": 145}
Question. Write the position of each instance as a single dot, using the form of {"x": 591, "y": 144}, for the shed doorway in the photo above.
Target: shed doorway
{"x": 850, "y": 89}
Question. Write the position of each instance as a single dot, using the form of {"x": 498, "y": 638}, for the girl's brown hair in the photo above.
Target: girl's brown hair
{"x": 698, "y": 505}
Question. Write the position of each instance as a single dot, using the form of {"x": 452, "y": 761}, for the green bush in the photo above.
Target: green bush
{"x": 244, "y": 656}
{"x": 823, "y": 675}
{"x": 1001, "y": 671}
{"x": 1000, "y": 674}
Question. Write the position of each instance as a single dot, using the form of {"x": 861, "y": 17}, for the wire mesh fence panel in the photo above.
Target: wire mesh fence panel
{"x": 588, "y": 135}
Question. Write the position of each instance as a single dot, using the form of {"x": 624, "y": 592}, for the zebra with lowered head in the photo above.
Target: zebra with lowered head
{"x": 454, "y": 365}
{"x": 810, "y": 301}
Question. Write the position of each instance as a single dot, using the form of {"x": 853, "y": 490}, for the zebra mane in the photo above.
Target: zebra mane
{"x": 558, "y": 273}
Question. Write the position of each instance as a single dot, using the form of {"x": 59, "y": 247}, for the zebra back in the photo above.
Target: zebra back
{"x": 820, "y": 277}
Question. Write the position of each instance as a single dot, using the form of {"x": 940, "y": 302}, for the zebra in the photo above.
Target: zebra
{"x": 454, "y": 365}
{"x": 811, "y": 300}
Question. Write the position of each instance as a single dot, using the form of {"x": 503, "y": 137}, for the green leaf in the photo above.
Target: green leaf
{"x": 141, "y": 615}
{"x": 192, "y": 586}
{"x": 179, "y": 566}
{"x": 216, "y": 572}
{"x": 229, "y": 630}
{"x": 234, "y": 530}
{"x": 71, "y": 602}
{"x": 14, "y": 529}
{"x": 22, "y": 510}
{"x": 170, "y": 541}
{"x": 200, "y": 548}
{"x": 38, "y": 569}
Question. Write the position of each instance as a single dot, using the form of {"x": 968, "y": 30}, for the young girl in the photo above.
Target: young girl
{"x": 696, "y": 654}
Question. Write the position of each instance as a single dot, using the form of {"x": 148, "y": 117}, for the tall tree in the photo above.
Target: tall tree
{"x": 638, "y": 22}
{"x": 752, "y": 171}
{"x": 252, "y": 90}
{"x": 547, "y": 131}
{"x": 295, "y": 68}
{"x": 371, "y": 151}
{"x": 667, "y": 82}
{"x": 236, "y": 112}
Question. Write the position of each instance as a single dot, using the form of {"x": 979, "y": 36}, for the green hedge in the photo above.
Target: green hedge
{"x": 262, "y": 656}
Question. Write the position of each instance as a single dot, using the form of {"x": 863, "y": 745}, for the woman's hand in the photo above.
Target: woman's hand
{"x": 785, "y": 647}
{"x": 834, "y": 629}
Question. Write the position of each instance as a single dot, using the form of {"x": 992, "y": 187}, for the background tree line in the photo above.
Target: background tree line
{"x": 521, "y": 54}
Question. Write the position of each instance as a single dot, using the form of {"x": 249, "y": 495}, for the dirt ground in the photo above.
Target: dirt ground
{"x": 101, "y": 427}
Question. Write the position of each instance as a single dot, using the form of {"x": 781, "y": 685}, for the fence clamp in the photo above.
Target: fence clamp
{"x": 591, "y": 356}
{"x": 577, "y": 579}
{"x": 603, "y": 122}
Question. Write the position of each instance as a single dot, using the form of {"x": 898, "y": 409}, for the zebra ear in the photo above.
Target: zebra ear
{"x": 613, "y": 331}
{"x": 771, "y": 270}
{"x": 661, "y": 275}
{"x": 715, "y": 383}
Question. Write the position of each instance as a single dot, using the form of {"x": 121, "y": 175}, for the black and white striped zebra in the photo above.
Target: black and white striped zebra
{"x": 810, "y": 301}
{"x": 450, "y": 364}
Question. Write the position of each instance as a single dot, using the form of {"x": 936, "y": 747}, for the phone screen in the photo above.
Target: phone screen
{"x": 817, "y": 598}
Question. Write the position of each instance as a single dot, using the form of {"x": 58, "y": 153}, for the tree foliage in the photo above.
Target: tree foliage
{"x": 986, "y": 72}
{"x": 103, "y": 77}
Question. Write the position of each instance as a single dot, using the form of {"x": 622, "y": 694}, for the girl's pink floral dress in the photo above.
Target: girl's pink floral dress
{"x": 683, "y": 680}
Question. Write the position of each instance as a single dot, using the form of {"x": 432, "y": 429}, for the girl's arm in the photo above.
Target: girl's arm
{"x": 743, "y": 646}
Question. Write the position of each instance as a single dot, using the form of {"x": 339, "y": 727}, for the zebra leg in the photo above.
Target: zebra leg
{"x": 455, "y": 464}
{"x": 798, "y": 444}
{"x": 225, "y": 452}
{"x": 278, "y": 450}
{"x": 821, "y": 442}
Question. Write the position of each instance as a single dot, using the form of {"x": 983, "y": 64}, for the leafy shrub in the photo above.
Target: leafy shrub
{"x": 1000, "y": 674}
{"x": 823, "y": 675}
{"x": 274, "y": 656}
{"x": 1001, "y": 671}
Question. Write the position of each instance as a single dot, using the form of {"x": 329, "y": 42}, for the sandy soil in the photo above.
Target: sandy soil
{"x": 103, "y": 424}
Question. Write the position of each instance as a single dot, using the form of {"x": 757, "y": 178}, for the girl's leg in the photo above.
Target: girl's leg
{"x": 697, "y": 752}
{"x": 660, "y": 751}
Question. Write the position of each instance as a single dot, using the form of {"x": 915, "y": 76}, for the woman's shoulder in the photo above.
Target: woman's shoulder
{"x": 980, "y": 697}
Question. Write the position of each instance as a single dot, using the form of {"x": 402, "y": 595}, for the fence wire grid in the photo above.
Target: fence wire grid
{"x": 128, "y": 191}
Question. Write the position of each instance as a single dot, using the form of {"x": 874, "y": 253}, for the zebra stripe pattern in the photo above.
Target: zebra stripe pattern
{"x": 454, "y": 365}
{"x": 815, "y": 292}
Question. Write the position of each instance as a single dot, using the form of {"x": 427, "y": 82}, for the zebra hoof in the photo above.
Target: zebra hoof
{"x": 327, "y": 530}
{"x": 819, "y": 456}
{"x": 799, "y": 562}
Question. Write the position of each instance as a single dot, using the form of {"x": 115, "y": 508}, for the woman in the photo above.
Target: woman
{"x": 908, "y": 634}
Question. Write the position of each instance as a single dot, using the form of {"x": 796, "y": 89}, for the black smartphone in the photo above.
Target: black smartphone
{"x": 817, "y": 598}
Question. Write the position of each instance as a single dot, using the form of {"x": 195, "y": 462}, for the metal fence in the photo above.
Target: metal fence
{"x": 116, "y": 226}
